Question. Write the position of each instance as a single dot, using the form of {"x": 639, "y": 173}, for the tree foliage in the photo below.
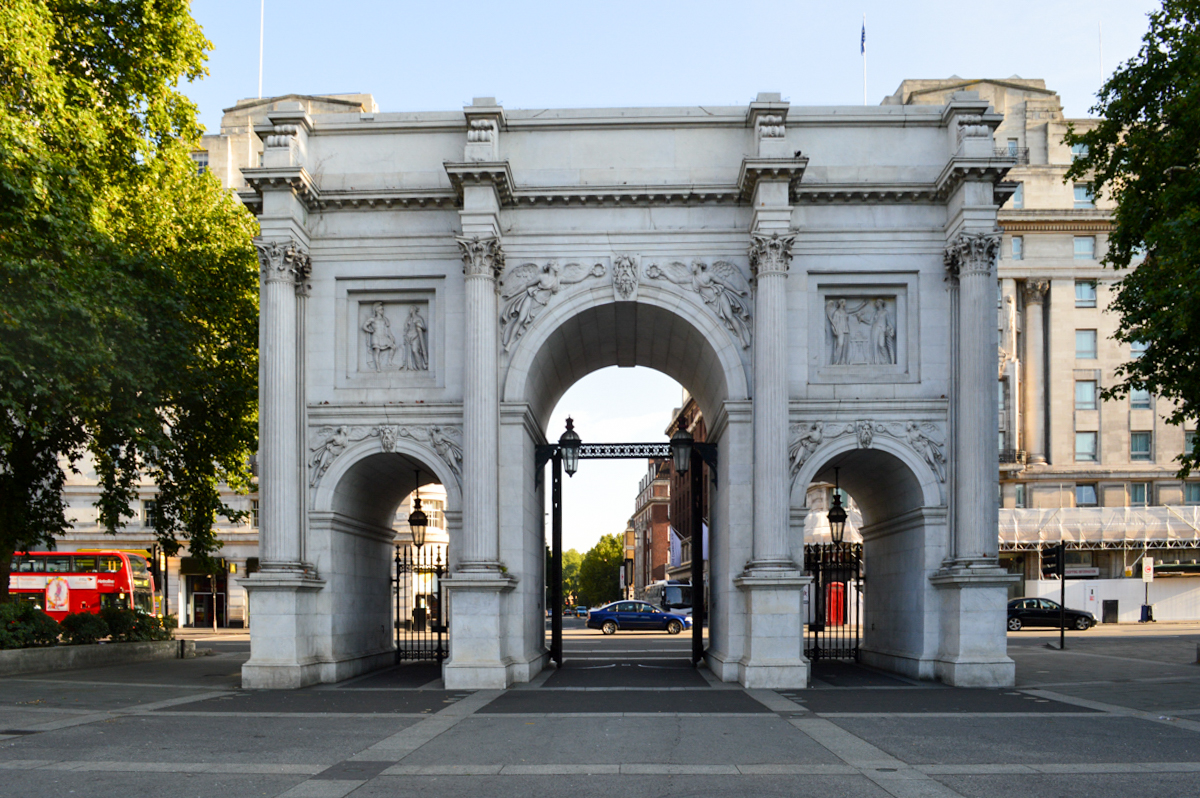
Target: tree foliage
{"x": 128, "y": 288}
{"x": 572, "y": 561}
{"x": 1145, "y": 154}
{"x": 600, "y": 572}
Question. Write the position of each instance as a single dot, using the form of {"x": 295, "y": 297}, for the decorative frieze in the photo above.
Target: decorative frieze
{"x": 528, "y": 289}
{"x": 721, "y": 286}
{"x": 924, "y": 438}
{"x": 327, "y": 443}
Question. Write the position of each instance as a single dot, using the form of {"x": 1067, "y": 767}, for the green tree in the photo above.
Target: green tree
{"x": 600, "y": 572}
{"x": 571, "y": 563}
{"x": 128, "y": 283}
{"x": 1145, "y": 154}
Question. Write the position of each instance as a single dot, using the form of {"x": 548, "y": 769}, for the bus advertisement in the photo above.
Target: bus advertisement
{"x": 64, "y": 582}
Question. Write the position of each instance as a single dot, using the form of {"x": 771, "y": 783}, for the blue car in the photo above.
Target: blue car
{"x": 636, "y": 615}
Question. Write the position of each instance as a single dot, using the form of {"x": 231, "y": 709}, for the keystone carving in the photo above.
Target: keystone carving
{"x": 625, "y": 277}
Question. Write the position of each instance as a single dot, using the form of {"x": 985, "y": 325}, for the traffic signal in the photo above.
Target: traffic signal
{"x": 1053, "y": 560}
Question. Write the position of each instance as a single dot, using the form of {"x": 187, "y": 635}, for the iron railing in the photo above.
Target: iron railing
{"x": 835, "y": 600}
{"x": 420, "y": 604}
{"x": 1012, "y": 456}
{"x": 1020, "y": 153}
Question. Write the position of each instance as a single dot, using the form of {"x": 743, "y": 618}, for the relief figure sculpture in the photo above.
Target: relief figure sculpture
{"x": 531, "y": 290}
{"x": 379, "y": 338}
{"x": 416, "y": 341}
{"x": 719, "y": 288}
{"x": 861, "y": 334}
{"x": 883, "y": 335}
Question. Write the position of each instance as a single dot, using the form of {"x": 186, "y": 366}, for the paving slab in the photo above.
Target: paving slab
{"x": 365, "y": 702}
{"x": 67, "y": 784}
{"x": 704, "y": 700}
{"x": 1145, "y": 785}
{"x": 659, "y": 673}
{"x": 1045, "y": 739}
{"x": 494, "y": 740}
{"x": 907, "y": 700}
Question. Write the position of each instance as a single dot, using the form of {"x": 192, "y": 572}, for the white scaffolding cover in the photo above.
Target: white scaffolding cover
{"x": 1130, "y": 526}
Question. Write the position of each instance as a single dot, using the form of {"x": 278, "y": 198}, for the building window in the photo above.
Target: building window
{"x": 1085, "y": 247}
{"x": 1191, "y": 493}
{"x": 1085, "y": 344}
{"x": 1139, "y": 399}
{"x": 1078, "y": 151}
{"x": 149, "y": 513}
{"x": 254, "y": 513}
{"x": 1021, "y": 498}
{"x": 1085, "y": 447}
{"x": 1018, "y": 197}
{"x": 1137, "y": 349}
{"x": 1085, "y": 293}
{"x": 201, "y": 159}
{"x": 1085, "y": 394}
{"x": 1189, "y": 441}
{"x": 1085, "y": 495}
{"x": 1018, "y": 247}
{"x": 1138, "y": 493}
{"x": 1139, "y": 446}
{"x": 1084, "y": 197}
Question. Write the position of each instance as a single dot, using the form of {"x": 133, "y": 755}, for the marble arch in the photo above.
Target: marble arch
{"x": 822, "y": 280}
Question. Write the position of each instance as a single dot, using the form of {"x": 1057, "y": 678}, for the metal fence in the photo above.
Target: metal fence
{"x": 420, "y": 621}
{"x": 835, "y": 600}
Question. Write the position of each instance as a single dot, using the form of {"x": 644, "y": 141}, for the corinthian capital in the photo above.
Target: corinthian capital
{"x": 481, "y": 256}
{"x": 973, "y": 253}
{"x": 283, "y": 261}
{"x": 770, "y": 253}
{"x": 1035, "y": 291}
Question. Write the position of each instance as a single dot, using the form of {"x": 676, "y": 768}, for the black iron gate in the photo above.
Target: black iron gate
{"x": 835, "y": 600}
{"x": 420, "y": 604}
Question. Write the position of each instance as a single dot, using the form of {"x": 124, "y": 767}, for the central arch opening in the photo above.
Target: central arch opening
{"x": 565, "y": 367}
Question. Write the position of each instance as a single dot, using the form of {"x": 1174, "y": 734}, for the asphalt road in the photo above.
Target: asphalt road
{"x": 1116, "y": 713}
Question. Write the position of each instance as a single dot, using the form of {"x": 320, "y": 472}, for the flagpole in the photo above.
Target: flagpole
{"x": 864, "y": 57}
{"x": 262, "y": 15}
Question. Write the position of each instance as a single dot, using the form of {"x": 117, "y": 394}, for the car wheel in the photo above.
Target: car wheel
{"x": 674, "y": 628}
{"x": 609, "y": 628}
{"x": 1082, "y": 624}
{"x": 1014, "y": 624}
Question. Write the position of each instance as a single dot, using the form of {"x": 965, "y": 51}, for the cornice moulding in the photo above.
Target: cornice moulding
{"x": 295, "y": 178}
{"x": 959, "y": 170}
{"x": 756, "y": 169}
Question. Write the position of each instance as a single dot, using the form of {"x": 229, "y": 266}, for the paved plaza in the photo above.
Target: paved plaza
{"x": 1117, "y": 713}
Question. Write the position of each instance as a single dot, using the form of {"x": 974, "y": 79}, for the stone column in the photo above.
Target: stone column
{"x": 770, "y": 257}
{"x": 1034, "y": 431}
{"x": 483, "y": 261}
{"x": 973, "y": 257}
{"x": 283, "y": 268}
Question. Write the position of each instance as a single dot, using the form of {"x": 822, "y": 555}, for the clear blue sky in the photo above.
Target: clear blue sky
{"x": 421, "y": 56}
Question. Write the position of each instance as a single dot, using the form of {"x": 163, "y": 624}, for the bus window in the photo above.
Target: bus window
{"x": 35, "y": 565}
{"x": 138, "y": 565}
{"x": 85, "y": 565}
{"x": 110, "y": 565}
{"x": 143, "y": 602}
{"x": 57, "y": 565}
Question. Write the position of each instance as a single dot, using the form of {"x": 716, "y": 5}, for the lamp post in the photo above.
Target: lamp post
{"x": 418, "y": 522}
{"x": 837, "y": 513}
{"x": 687, "y": 458}
{"x": 568, "y": 445}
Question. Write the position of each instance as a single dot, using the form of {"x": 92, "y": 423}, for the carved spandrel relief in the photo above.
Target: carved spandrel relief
{"x": 529, "y": 288}
{"x": 860, "y": 331}
{"x": 381, "y": 348}
{"x": 721, "y": 287}
{"x": 327, "y": 443}
{"x": 922, "y": 437}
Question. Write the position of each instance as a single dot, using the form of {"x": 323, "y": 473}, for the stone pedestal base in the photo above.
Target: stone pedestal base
{"x": 477, "y": 658}
{"x": 283, "y": 654}
{"x": 774, "y": 642}
{"x": 973, "y": 649}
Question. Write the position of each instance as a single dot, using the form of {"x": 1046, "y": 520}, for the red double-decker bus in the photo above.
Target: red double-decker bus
{"x": 62, "y": 582}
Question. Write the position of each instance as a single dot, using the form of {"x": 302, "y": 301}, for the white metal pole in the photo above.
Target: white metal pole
{"x": 1100, "y": 41}
{"x": 262, "y": 14}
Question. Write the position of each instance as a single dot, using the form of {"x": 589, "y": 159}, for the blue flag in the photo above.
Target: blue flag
{"x": 863, "y": 44}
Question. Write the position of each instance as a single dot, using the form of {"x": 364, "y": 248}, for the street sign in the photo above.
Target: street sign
{"x": 1147, "y": 569}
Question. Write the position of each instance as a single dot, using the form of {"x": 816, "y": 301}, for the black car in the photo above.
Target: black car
{"x": 1024, "y": 612}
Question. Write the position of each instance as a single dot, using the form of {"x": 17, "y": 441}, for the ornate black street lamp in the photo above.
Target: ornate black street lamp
{"x": 837, "y": 513}
{"x": 681, "y": 450}
{"x": 569, "y": 445}
{"x": 417, "y": 520}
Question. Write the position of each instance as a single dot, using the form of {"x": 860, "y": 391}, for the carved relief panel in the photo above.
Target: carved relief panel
{"x": 389, "y": 333}
{"x": 863, "y": 328}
